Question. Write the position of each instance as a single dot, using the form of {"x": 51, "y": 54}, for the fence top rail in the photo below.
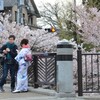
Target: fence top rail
{"x": 44, "y": 54}
{"x": 90, "y": 53}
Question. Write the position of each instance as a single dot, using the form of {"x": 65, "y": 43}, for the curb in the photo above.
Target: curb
{"x": 43, "y": 91}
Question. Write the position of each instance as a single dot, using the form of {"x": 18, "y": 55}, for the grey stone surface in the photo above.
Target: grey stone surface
{"x": 40, "y": 94}
{"x": 43, "y": 91}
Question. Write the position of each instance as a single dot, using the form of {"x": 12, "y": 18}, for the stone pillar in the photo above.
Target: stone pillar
{"x": 64, "y": 69}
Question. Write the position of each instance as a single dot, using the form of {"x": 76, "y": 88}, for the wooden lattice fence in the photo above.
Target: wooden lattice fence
{"x": 42, "y": 70}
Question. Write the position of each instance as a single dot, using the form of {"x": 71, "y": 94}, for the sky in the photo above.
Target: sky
{"x": 39, "y": 4}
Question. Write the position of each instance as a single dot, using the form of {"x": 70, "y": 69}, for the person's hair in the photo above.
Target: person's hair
{"x": 24, "y": 41}
{"x": 11, "y": 36}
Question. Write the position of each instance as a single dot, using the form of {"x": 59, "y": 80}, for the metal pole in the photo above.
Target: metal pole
{"x": 35, "y": 68}
{"x": 75, "y": 18}
{"x": 80, "y": 83}
{"x": 20, "y": 14}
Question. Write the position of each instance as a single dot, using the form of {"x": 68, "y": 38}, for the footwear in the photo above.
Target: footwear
{"x": 12, "y": 89}
{"x": 16, "y": 91}
{"x": 25, "y": 91}
{"x": 1, "y": 89}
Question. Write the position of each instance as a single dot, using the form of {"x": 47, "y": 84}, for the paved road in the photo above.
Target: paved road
{"x": 7, "y": 95}
{"x": 33, "y": 95}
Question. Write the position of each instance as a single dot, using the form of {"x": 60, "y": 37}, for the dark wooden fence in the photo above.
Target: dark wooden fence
{"x": 45, "y": 69}
{"x": 88, "y": 72}
{"x": 42, "y": 70}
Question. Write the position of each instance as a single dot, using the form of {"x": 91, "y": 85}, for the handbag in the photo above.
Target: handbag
{"x": 28, "y": 56}
{"x": 2, "y": 60}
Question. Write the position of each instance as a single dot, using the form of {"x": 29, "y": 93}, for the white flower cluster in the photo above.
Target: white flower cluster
{"x": 39, "y": 39}
{"x": 88, "y": 23}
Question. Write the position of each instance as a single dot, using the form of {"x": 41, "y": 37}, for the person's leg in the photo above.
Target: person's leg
{"x": 22, "y": 80}
{"x": 3, "y": 79}
{"x": 12, "y": 74}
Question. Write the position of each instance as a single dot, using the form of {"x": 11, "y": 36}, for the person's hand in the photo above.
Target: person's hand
{"x": 7, "y": 49}
{"x": 17, "y": 51}
{"x": 4, "y": 51}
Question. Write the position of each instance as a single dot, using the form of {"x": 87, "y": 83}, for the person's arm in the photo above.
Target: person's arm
{"x": 3, "y": 48}
{"x": 20, "y": 55}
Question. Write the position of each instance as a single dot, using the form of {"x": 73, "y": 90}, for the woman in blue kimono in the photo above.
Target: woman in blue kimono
{"x": 22, "y": 77}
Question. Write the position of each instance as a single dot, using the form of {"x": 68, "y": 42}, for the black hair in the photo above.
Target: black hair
{"x": 12, "y": 36}
{"x": 24, "y": 41}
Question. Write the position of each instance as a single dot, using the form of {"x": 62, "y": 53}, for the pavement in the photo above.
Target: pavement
{"x": 41, "y": 94}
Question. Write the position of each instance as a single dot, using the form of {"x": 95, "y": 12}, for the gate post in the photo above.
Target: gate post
{"x": 79, "y": 62}
{"x": 35, "y": 71}
{"x": 65, "y": 69}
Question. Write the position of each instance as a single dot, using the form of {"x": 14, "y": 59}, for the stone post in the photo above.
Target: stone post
{"x": 64, "y": 69}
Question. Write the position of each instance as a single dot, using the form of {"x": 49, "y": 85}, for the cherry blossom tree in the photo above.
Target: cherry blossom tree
{"x": 39, "y": 39}
{"x": 88, "y": 24}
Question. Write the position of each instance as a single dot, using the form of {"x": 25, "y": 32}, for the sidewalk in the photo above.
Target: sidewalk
{"x": 39, "y": 94}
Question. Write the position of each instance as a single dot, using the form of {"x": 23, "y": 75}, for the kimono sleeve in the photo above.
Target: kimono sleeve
{"x": 20, "y": 55}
